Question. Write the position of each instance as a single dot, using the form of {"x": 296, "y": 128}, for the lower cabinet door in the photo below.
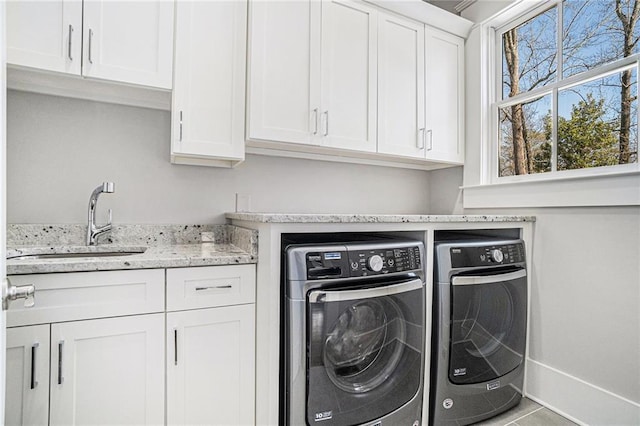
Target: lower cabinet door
{"x": 108, "y": 371}
{"x": 27, "y": 376}
{"x": 211, "y": 366}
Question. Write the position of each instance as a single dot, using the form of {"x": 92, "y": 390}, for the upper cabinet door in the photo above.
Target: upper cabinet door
{"x": 45, "y": 34}
{"x": 401, "y": 129}
{"x": 445, "y": 91}
{"x": 129, "y": 41}
{"x": 209, "y": 80}
{"x": 284, "y": 67}
{"x": 349, "y": 80}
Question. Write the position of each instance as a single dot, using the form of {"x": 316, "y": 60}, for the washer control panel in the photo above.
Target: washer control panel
{"x": 364, "y": 263}
{"x": 356, "y": 262}
{"x": 487, "y": 255}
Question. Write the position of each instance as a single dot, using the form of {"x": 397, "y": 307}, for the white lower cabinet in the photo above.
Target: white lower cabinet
{"x": 27, "y": 376}
{"x": 90, "y": 351}
{"x": 67, "y": 367}
{"x": 211, "y": 350}
{"x": 104, "y": 371}
{"x": 108, "y": 371}
{"x": 210, "y": 366}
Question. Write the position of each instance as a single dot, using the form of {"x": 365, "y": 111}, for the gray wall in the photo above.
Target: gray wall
{"x": 585, "y": 295}
{"x": 59, "y": 149}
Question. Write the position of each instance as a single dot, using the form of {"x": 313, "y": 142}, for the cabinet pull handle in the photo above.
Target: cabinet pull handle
{"x": 430, "y": 146}
{"x": 315, "y": 121}
{"x": 60, "y": 352}
{"x": 326, "y": 123}
{"x": 420, "y": 138}
{"x": 175, "y": 346}
{"x": 34, "y": 382}
{"x": 70, "y": 41}
{"x": 180, "y": 126}
{"x": 213, "y": 287}
{"x": 90, "y": 44}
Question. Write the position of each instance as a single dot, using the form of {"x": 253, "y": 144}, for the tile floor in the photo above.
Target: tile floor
{"x": 528, "y": 413}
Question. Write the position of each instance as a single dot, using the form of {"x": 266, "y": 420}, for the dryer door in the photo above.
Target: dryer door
{"x": 364, "y": 351}
{"x": 488, "y": 325}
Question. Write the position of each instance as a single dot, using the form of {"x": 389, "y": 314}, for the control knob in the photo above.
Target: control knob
{"x": 496, "y": 255}
{"x": 375, "y": 263}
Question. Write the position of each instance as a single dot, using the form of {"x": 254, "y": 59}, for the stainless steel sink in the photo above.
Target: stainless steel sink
{"x": 72, "y": 253}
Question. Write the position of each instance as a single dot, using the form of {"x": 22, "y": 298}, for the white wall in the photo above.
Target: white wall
{"x": 59, "y": 149}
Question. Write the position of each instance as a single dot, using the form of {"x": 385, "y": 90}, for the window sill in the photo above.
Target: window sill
{"x": 601, "y": 190}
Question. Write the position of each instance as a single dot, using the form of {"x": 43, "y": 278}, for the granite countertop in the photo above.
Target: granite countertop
{"x": 372, "y": 218}
{"x": 167, "y": 246}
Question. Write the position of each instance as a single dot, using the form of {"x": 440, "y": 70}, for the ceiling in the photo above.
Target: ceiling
{"x": 448, "y": 5}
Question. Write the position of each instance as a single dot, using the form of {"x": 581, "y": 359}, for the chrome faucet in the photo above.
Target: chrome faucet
{"x": 93, "y": 231}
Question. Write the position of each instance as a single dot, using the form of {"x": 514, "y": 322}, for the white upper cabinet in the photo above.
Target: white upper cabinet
{"x": 445, "y": 96}
{"x": 45, "y": 35}
{"x": 124, "y": 41}
{"x": 401, "y": 79}
{"x": 129, "y": 41}
{"x": 209, "y": 83}
{"x": 355, "y": 78}
{"x": 349, "y": 75}
{"x": 284, "y": 71}
{"x": 312, "y": 73}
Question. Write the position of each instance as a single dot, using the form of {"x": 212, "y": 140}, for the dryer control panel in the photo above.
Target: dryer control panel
{"x": 487, "y": 255}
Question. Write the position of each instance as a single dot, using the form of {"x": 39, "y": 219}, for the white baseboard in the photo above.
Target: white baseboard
{"x": 577, "y": 400}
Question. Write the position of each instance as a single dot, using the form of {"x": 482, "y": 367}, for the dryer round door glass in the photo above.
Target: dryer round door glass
{"x": 487, "y": 330}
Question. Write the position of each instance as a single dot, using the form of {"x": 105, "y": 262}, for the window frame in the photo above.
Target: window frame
{"x": 481, "y": 188}
{"x": 552, "y": 88}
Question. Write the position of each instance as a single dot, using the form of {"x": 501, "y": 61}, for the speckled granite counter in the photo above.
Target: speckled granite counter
{"x": 167, "y": 246}
{"x": 372, "y": 218}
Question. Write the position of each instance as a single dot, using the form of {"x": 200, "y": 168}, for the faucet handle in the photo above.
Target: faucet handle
{"x": 110, "y": 217}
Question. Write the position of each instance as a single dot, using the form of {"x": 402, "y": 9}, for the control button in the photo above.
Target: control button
{"x": 375, "y": 263}
{"x": 497, "y": 255}
{"x": 354, "y": 265}
{"x": 391, "y": 262}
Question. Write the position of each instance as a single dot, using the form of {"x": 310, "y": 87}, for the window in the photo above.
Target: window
{"x": 566, "y": 98}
